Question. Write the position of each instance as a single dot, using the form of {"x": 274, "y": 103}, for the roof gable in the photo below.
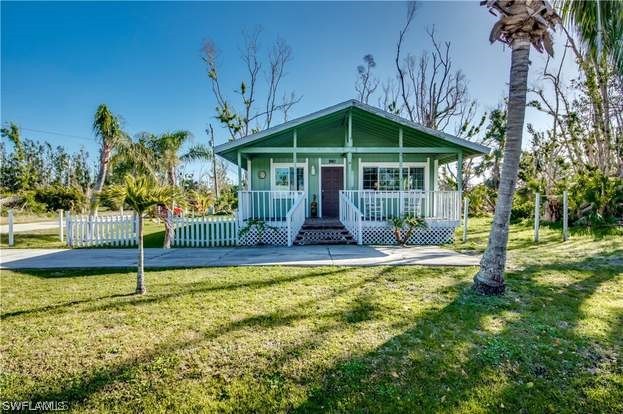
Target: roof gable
{"x": 413, "y": 132}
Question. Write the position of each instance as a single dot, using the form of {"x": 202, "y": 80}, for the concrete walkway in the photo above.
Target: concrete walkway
{"x": 240, "y": 256}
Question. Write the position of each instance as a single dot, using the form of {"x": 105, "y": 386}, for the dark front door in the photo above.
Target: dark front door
{"x": 332, "y": 183}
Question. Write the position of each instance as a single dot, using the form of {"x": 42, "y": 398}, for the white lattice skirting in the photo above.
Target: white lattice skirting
{"x": 431, "y": 235}
{"x": 276, "y": 237}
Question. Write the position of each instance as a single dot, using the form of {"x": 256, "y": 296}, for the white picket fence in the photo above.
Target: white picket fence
{"x": 92, "y": 231}
{"x": 205, "y": 231}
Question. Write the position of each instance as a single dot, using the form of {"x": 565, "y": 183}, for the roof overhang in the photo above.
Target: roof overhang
{"x": 472, "y": 149}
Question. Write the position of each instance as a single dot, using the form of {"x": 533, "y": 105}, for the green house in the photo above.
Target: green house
{"x": 342, "y": 173}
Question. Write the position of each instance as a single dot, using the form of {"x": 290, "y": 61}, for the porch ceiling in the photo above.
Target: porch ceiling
{"x": 371, "y": 127}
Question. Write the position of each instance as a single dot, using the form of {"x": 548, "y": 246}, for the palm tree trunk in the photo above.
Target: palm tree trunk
{"x": 169, "y": 212}
{"x": 168, "y": 226}
{"x": 101, "y": 177}
{"x": 490, "y": 279}
{"x": 140, "y": 275}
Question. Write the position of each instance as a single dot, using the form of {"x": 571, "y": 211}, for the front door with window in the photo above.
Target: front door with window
{"x": 332, "y": 182}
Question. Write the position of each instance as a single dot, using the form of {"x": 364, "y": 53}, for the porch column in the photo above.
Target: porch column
{"x": 459, "y": 171}
{"x": 349, "y": 154}
{"x": 239, "y": 171}
{"x": 294, "y": 142}
{"x": 401, "y": 179}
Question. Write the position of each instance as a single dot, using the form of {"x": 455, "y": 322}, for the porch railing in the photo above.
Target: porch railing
{"x": 295, "y": 218}
{"x": 271, "y": 207}
{"x": 351, "y": 217}
{"x": 383, "y": 205}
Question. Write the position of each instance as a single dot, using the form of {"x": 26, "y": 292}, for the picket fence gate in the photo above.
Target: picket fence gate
{"x": 93, "y": 231}
{"x": 211, "y": 231}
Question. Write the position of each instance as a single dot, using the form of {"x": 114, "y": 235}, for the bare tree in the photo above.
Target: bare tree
{"x": 250, "y": 115}
{"x": 404, "y": 92}
{"x": 366, "y": 84}
{"x": 438, "y": 92}
{"x": 389, "y": 96}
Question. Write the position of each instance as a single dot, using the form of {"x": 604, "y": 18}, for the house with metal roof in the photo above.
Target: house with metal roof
{"x": 339, "y": 175}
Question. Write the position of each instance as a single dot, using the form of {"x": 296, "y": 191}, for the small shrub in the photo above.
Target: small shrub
{"x": 404, "y": 226}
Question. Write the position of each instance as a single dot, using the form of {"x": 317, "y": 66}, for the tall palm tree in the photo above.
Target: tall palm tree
{"x": 140, "y": 194}
{"x": 107, "y": 128}
{"x": 521, "y": 23}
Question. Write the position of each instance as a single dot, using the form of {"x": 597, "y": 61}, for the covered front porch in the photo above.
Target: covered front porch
{"x": 364, "y": 213}
{"x": 350, "y": 162}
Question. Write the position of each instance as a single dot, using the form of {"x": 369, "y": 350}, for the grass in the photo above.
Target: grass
{"x": 381, "y": 339}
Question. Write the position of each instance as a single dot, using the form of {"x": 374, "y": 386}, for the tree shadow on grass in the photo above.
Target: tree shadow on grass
{"x": 208, "y": 286}
{"x": 59, "y": 306}
{"x": 78, "y": 389}
{"x": 451, "y": 359}
{"x": 189, "y": 289}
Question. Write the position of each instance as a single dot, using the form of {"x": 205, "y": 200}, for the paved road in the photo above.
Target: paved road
{"x": 24, "y": 227}
{"x": 240, "y": 256}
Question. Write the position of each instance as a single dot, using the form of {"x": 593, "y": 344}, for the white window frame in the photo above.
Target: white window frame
{"x": 275, "y": 165}
{"x": 395, "y": 165}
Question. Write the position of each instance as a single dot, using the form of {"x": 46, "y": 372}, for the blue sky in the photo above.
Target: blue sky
{"x": 60, "y": 60}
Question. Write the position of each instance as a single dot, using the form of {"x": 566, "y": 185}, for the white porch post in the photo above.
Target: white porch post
{"x": 459, "y": 172}
{"x": 249, "y": 175}
{"x": 401, "y": 180}
{"x": 294, "y": 143}
{"x": 239, "y": 171}
{"x": 349, "y": 154}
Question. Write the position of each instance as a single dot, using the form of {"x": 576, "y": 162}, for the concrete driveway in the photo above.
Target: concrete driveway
{"x": 239, "y": 256}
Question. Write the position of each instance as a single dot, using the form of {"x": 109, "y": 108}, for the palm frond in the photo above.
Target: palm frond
{"x": 583, "y": 16}
{"x": 197, "y": 152}
{"x": 141, "y": 193}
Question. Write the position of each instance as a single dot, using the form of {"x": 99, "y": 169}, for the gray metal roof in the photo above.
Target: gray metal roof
{"x": 220, "y": 149}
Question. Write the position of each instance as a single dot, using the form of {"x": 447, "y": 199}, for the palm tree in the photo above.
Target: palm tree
{"x": 108, "y": 130}
{"x": 165, "y": 149}
{"x": 521, "y": 23}
{"x": 140, "y": 194}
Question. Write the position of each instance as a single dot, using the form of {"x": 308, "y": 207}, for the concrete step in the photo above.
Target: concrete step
{"x": 323, "y": 242}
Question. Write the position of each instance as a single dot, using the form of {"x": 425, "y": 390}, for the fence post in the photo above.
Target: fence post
{"x": 565, "y": 216}
{"x": 69, "y": 230}
{"x": 10, "y": 223}
{"x": 537, "y": 215}
{"x": 60, "y": 225}
{"x": 465, "y": 208}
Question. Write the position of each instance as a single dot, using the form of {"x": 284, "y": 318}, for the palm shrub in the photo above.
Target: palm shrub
{"x": 140, "y": 194}
{"x": 596, "y": 199}
{"x": 404, "y": 226}
{"x": 201, "y": 201}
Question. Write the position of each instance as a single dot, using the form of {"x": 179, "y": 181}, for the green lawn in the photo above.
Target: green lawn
{"x": 382, "y": 339}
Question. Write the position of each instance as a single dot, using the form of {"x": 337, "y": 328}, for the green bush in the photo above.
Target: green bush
{"x": 523, "y": 205}
{"x": 57, "y": 198}
{"x": 596, "y": 199}
{"x": 28, "y": 201}
{"x": 481, "y": 200}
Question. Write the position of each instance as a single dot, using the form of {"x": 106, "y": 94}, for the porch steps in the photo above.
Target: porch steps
{"x": 322, "y": 232}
